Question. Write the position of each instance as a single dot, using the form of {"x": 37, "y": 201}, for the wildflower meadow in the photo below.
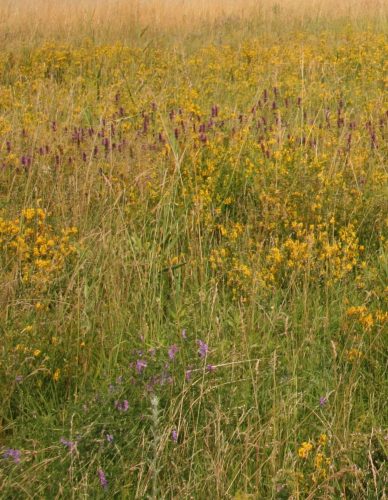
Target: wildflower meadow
{"x": 193, "y": 249}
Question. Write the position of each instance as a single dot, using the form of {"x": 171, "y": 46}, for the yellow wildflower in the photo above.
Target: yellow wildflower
{"x": 305, "y": 449}
{"x": 56, "y": 375}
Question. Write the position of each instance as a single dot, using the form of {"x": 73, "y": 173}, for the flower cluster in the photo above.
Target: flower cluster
{"x": 316, "y": 457}
{"x": 30, "y": 243}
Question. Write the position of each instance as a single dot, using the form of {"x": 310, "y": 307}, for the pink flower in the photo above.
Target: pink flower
{"x": 140, "y": 365}
{"x": 102, "y": 478}
{"x": 69, "y": 444}
{"x": 202, "y": 348}
{"x": 123, "y": 406}
{"x": 14, "y": 454}
{"x": 172, "y": 351}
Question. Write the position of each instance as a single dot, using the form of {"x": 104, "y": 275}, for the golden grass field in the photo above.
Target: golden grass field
{"x": 193, "y": 249}
{"x": 23, "y": 21}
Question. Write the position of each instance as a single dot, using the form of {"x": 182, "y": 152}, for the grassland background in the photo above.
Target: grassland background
{"x": 193, "y": 269}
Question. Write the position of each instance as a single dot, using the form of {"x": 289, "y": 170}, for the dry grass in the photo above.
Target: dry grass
{"x": 23, "y": 21}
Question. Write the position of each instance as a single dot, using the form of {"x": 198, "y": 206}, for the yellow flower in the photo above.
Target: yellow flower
{"x": 381, "y": 316}
{"x": 305, "y": 449}
{"x": 367, "y": 321}
{"x": 353, "y": 355}
{"x": 318, "y": 460}
{"x": 323, "y": 439}
{"x": 56, "y": 375}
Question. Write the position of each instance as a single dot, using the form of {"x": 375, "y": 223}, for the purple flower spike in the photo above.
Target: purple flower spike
{"x": 323, "y": 401}
{"x": 14, "y": 454}
{"x": 102, "y": 478}
{"x": 172, "y": 351}
{"x": 202, "y": 348}
{"x": 174, "y": 435}
{"x": 140, "y": 365}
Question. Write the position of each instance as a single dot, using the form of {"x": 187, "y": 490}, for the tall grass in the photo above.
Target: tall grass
{"x": 193, "y": 225}
{"x": 25, "y": 22}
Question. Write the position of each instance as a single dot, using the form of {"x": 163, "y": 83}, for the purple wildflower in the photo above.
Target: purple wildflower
{"x": 14, "y": 454}
{"x": 69, "y": 444}
{"x": 174, "y": 435}
{"x": 109, "y": 438}
{"x": 172, "y": 351}
{"x": 140, "y": 365}
{"x": 322, "y": 401}
{"x": 102, "y": 478}
{"x": 210, "y": 368}
{"x": 123, "y": 406}
{"x": 19, "y": 378}
{"x": 188, "y": 375}
{"x": 202, "y": 348}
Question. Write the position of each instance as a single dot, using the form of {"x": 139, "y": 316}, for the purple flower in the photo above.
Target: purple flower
{"x": 210, "y": 368}
{"x": 184, "y": 334}
{"x": 123, "y": 406}
{"x": 174, "y": 435}
{"x": 202, "y": 348}
{"x": 172, "y": 351}
{"x": 14, "y": 454}
{"x": 109, "y": 438}
{"x": 323, "y": 401}
{"x": 188, "y": 375}
{"x": 140, "y": 365}
{"x": 19, "y": 378}
{"x": 102, "y": 478}
{"x": 69, "y": 444}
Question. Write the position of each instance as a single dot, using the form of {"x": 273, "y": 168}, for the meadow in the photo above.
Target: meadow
{"x": 193, "y": 249}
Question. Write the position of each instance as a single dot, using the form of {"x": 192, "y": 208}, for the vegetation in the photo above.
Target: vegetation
{"x": 193, "y": 252}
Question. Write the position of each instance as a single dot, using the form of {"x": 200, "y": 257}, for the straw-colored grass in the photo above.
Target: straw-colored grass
{"x": 22, "y": 21}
